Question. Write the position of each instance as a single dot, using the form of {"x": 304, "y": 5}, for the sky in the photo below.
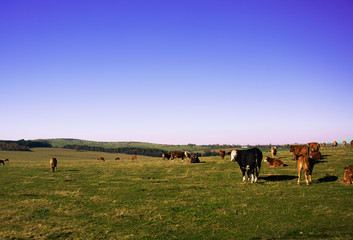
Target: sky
{"x": 178, "y": 71}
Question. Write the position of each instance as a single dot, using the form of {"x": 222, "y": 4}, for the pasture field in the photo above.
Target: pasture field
{"x": 151, "y": 198}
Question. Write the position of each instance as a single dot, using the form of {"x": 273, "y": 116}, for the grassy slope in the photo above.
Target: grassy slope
{"x": 155, "y": 199}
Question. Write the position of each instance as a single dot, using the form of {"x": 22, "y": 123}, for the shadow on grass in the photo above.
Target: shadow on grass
{"x": 276, "y": 178}
{"x": 73, "y": 170}
{"x": 327, "y": 178}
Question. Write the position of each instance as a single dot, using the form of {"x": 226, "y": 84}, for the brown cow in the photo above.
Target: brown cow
{"x": 53, "y": 163}
{"x": 299, "y": 150}
{"x": 344, "y": 143}
{"x": 166, "y": 156}
{"x": 352, "y": 143}
{"x": 178, "y": 155}
{"x": 100, "y": 158}
{"x": 316, "y": 156}
{"x": 348, "y": 174}
{"x": 334, "y": 143}
{"x": 314, "y": 147}
{"x": 134, "y": 157}
{"x": 194, "y": 159}
{"x": 274, "y": 151}
{"x": 274, "y": 162}
{"x": 307, "y": 163}
{"x": 117, "y": 158}
{"x": 222, "y": 153}
{"x": 323, "y": 145}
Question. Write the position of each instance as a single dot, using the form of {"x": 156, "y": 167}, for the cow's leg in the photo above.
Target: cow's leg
{"x": 243, "y": 172}
{"x": 249, "y": 175}
{"x": 306, "y": 178}
{"x": 257, "y": 171}
{"x": 299, "y": 173}
{"x": 252, "y": 177}
{"x": 248, "y": 171}
{"x": 299, "y": 177}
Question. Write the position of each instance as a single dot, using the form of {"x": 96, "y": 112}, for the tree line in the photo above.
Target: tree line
{"x": 152, "y": 152}
{"x": 21, "y": 145}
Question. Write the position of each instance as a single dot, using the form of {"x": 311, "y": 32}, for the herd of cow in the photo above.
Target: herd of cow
{"x": 179, "y": 154}
{"x": 250, "y": 160}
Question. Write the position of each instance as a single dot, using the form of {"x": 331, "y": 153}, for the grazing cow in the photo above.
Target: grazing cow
{"x": 344, "y": 143}
{"x": 3, "y": 161}
{"x": 334, "y": 144}
{"x": 166, "y": 156}
{"x": 274, "y": 151}
{"x": 274, "y": 162}
{"x": 348, "y": 174}
{"x": 249, "y": 161}
{"x": 134, "y": 157}
{"x": 314, "y": 147}
{"x": 117, "y": 158}
{"x": 307, "y": 163}
{"x": 316, "y": 156}
{"x": 177, "y": 155}
{"x": 323, "y": 145}
{"x": 187, "y": 154}
{"x": 100, "y": 158}
{"x": 53, "y": 163}
{"x": 194, "y": 159}
{"x": 222, "y": 153}
{"x": 352, "y": 143}
{"x": 299, "y": 150}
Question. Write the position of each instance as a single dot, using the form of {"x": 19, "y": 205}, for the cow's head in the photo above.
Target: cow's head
{"x": 291, "y": 148}
{"x": 233, "y": 155}
{"x": 266, "y": 159}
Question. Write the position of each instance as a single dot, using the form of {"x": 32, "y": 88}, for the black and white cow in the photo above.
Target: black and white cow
{"x": 249, "y": 161}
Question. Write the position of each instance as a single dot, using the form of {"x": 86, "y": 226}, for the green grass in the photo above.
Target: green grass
{"x": 153, "y": 198}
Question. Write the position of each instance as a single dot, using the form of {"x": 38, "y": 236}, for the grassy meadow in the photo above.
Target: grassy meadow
{"x": 151, "y": 198}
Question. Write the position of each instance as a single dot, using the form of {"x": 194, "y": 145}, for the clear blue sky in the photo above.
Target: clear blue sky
{"x": 177, "y": 72}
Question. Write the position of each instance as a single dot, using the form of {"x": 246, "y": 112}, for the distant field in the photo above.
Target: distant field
{"x": 151, "y": 198}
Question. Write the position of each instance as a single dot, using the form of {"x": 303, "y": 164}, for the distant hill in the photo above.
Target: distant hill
{"x": 62, "y": 142}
